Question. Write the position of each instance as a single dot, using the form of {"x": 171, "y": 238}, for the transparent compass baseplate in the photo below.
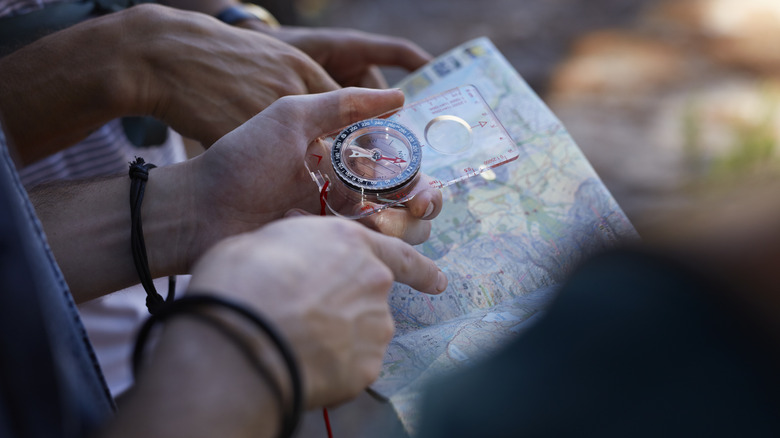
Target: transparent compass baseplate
{"x": 385, "y": 161}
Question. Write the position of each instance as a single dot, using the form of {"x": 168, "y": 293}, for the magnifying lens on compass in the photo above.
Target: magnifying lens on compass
{"x": 376, "y": 156}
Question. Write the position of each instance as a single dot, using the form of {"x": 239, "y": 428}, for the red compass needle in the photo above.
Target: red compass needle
{"x": 374, "y": 155}
{"x": 395, "y": 160}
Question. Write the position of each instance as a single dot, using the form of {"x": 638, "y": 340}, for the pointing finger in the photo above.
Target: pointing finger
{"x": 408, "y": 266}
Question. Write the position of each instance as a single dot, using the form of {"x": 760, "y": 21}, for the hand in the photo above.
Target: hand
{"x": 324, "y": 283}
{"x": 202, "y": 77}
{"x": 211, "y": 77}
{"x": 256, "y": 173}
{"x": 252, "y": 176}
{"x": 351, "y": 57}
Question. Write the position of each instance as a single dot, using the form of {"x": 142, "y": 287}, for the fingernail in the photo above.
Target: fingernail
{"x": 293, "y": 213}
{"x": 429, "y": 210}
{"x": 441, "y": 282}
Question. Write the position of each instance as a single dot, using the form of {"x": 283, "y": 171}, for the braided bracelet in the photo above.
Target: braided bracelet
{"x": 139, "y": 174}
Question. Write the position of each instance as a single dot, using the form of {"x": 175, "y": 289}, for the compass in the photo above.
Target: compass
{"x": 376, "y": 156}
{"x": 375, "y": 164}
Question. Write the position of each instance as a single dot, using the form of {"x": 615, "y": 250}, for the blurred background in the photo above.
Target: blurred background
{"x": 670, "y": 100}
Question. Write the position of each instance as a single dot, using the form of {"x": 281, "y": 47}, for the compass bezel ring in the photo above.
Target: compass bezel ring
{"x": 372, "y": 127}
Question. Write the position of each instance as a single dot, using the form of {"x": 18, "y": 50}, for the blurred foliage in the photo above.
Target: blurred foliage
{"x": 753, "y": 149}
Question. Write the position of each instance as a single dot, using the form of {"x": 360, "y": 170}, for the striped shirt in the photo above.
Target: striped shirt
{"x": 106, "y": 151}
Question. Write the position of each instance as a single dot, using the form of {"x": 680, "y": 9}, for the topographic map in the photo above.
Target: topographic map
{"x": 505, "y": 238}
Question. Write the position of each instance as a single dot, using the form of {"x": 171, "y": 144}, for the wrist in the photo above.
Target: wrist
{"x": 144, "y": 58}
{"x": 202, "y": 384}
{"x": 264, "y": 348}
{"x": 171, "y": 220}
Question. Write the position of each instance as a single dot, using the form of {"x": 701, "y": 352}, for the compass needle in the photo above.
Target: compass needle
{"x": 394, "y": 160}
{"x": 360, "y": 153}
{"x": 376, "y": 156}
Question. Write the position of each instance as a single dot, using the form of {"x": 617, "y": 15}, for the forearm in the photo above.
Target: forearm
{"x": 88, "y": 228}
{"x": 58, "y": 89}
{"x": 198, "y": 383}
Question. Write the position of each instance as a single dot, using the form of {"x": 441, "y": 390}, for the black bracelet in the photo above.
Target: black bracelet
{"x": 139, "y": 174}
{"x": 187, "y": 305}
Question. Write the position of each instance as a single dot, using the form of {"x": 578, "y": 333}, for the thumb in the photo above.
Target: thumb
{"x": 336, "y": 109}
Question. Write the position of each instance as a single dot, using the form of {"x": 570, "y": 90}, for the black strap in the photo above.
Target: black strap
{"x": 145, "y": 131}
{"x": 235, "y": 14}
{"x": 139, "y": 174}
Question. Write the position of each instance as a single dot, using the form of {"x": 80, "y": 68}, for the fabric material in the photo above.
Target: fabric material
{"x": 112, "y": 323}
{"x": 18, "y": 7}
{"x": 634, "y": 345}
{"x": 51, "y": 382}
{"x": 105, "y": 152}
{"x": 112, "y": 320}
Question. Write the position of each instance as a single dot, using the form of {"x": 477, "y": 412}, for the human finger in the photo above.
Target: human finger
{"x": 373, "y": 78}
{"x": 407, "y": 265}
{"x": 327, "y": 112}
{"x": 393, "y": 51}
{"x": 316, "y": 79}
{"x": 426, "y": 204}
{"x": 410, "y": 222}
{"x": 398, "y": 222}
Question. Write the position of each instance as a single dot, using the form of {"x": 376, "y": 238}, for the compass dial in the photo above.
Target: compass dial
{"x": 376, "y": 156}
